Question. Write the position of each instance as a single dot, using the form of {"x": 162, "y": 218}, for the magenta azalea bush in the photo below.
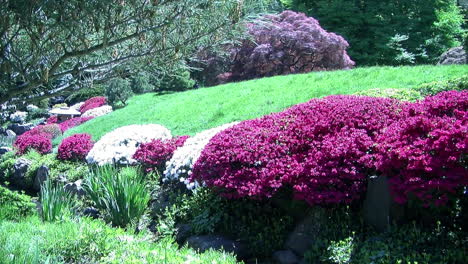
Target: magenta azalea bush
{"x": 286, "y": 43}
{"x": 325, "y": 149}
{"x": 92, "y": 103}
{"x": 33, "y": 139}
{"x": 75, "y": 147}
{"x": 154, "y": 155}
{"x": 320, "y": 148}
{"x": 425, "y": 153}
{"x": 52, "y": 120}
{"x": 65, "y": 125}
{"x": 53, "y": 130}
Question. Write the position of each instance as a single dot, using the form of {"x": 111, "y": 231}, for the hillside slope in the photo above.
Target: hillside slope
{"x": 196, "y": 110}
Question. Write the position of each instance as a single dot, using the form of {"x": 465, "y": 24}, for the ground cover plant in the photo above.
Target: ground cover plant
{"x": 205, "y": 108}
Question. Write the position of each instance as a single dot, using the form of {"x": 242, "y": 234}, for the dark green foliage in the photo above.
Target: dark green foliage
{"x": 7, "y": 161}
{"x": 120, "y": 195}
{"x": 84, "y": 94}
{"x": 389, "y": 32}
{"x": 118, "y": 91}
{"x": 179, "y": 80}
{"x": 14, "y": 205}
{"x": 141, "y": 83}
{"x": 433, "y": 88}
{"x": 37, "y": 113}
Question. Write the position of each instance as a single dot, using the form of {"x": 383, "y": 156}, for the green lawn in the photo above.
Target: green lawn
{"x": 196, "y": 110}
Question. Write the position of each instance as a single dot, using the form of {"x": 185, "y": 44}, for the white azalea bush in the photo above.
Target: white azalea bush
{"x": 18, "y": 117}
{"x": 179, "y": 167}
{"x": 99, "y": 111}
{"x": 119, "y": 145}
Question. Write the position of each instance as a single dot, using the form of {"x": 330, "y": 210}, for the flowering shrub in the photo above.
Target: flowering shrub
{"x": 64, "y": 126}
{"x": 52, "y": 120}
{"x": 425, "y": 153}
{"x": 53, "y": 130}
{"x": 92, "y": 103}
{"x": 119, "y": 145}
{"x": 179, "y": 167}
{"x": 155, "y": 154}
{"x": 77, "y": 106}
{"x": 99, "y": 111}
{"x": 75, "y": 147}
{"x": 41, "y": 142}
{"x": 322, "y": 148}
{"x": 287, "y": 43}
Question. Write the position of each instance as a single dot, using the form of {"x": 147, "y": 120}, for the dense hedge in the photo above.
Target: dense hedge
{"x": 325, "y": 149}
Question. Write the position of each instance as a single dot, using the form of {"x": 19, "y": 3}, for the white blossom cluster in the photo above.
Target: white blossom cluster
{"x": 77, "y": 106}
{"x": 179, "y": 167}
{"x": 18, "y": 117}
{"x": 119, "y": 145}
{"x": 99, "y": 111}
{"x": 31, "y": 108}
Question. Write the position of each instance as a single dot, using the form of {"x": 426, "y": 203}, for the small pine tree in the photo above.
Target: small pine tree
{"x": 118, "y": 90}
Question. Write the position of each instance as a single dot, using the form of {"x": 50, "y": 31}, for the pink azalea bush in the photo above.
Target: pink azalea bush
{"x": 53, "y": 130}
{"x": 325, "y": 149}
{"x": 52, "y": 120}
{"x": 92, "y": 103}
{"x": 285, "y": 43}
{"x": 39, "y": 141}
{"x": 75, "y": 147}
{"x": 64, "y": 126}
{"x": 425, "y": 153}
{"x": 322, "y": 149}
{"x": 154, "y": 155}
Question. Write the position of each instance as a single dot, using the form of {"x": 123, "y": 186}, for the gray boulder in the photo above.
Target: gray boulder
{"x": 75, "y": 188}
{"x": 455, "y": 55}
{"x": 4, "y": 150}
{"x": 20, "y": 129}
{"x": 183, "y": 231}
{"x": 217, "y": 242}
{"x": 42, "y": 175}
{"x": 378, "y": 203}
{"x": 285, "y": 257}
{"x": 10, "y": 133}
{"x": 19, "y": 174}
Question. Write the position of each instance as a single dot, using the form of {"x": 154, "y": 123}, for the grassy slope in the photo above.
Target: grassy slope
{"x": 196, "y": 110}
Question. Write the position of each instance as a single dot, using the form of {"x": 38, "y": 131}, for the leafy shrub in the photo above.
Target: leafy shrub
{"x": 319, "y": 148}
{"x": 154, "y": 155}
{"x": 287, "y": 43}
{"x": 140, "y": 83}
{"x": 40, "y": 142}
{"x": 399, "y": 94}
{"x": 50, "y": 129}
{"x": 179, "y": 80}
{"x": 70, "y": 123}
{"x": 15, "y": 205}
{"x": 37, "y": 113}
{"x": 426, "y": 151}
{"x": 433, "y": 88}
{"x": 120, "y": 195}
{"x": 92, "y": 103}
{"x": 118, "y": 90}
{"x": 56, "y": 202}
{"x": 7, "y": 161}
{"x": 75, "y": 147}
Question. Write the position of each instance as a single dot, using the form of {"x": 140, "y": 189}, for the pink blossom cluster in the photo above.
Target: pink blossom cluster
{"x": 92, "y": 103}
{"x": 65, "y": 125}
{"x": 425, "y": 153}
{"x": 75, "y": 147}
{"x": 286, "y": 43}
{"x": 154, "y": 155}
{"x": 52, "y": 120}
{"x": 326, "y": 148}
{"x": 39, "y": 141}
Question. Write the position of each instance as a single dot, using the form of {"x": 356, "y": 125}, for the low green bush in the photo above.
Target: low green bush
{"x": 84, "y": 94}
{"x": 7, "y": 161}
{"x": 121, "y": 195}
{"x": 399, "y": 94}
{"x": 15, "y": 205}
{"x": 140, "y": 83}
{"x": 91, "y": 241}
{"x": 433, "y": 88}
{"x": 118, "y": 91}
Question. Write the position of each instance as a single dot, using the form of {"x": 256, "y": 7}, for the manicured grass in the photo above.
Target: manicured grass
{"x": 196, "y": 110}
{"x": 90, "y": 241}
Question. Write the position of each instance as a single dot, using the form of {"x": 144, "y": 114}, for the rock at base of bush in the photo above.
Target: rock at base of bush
{"x": 377, "y": 203}
{"x": 91, "y": 212}
{"x": 217, "y": 242}
{"x": 183, "y": 232}
{"x": 20, "y": 168}
{"x": 42, "y": 175}
{"x": 75, "y": 188}
{"x": 10, "y": 133}
{"x": 455, "y": 55}
{"x": 305, "y": 233}
{"x": 285, "y": 257}
{"x": 20, "y": 129}
{"x": 4, "y": 150}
